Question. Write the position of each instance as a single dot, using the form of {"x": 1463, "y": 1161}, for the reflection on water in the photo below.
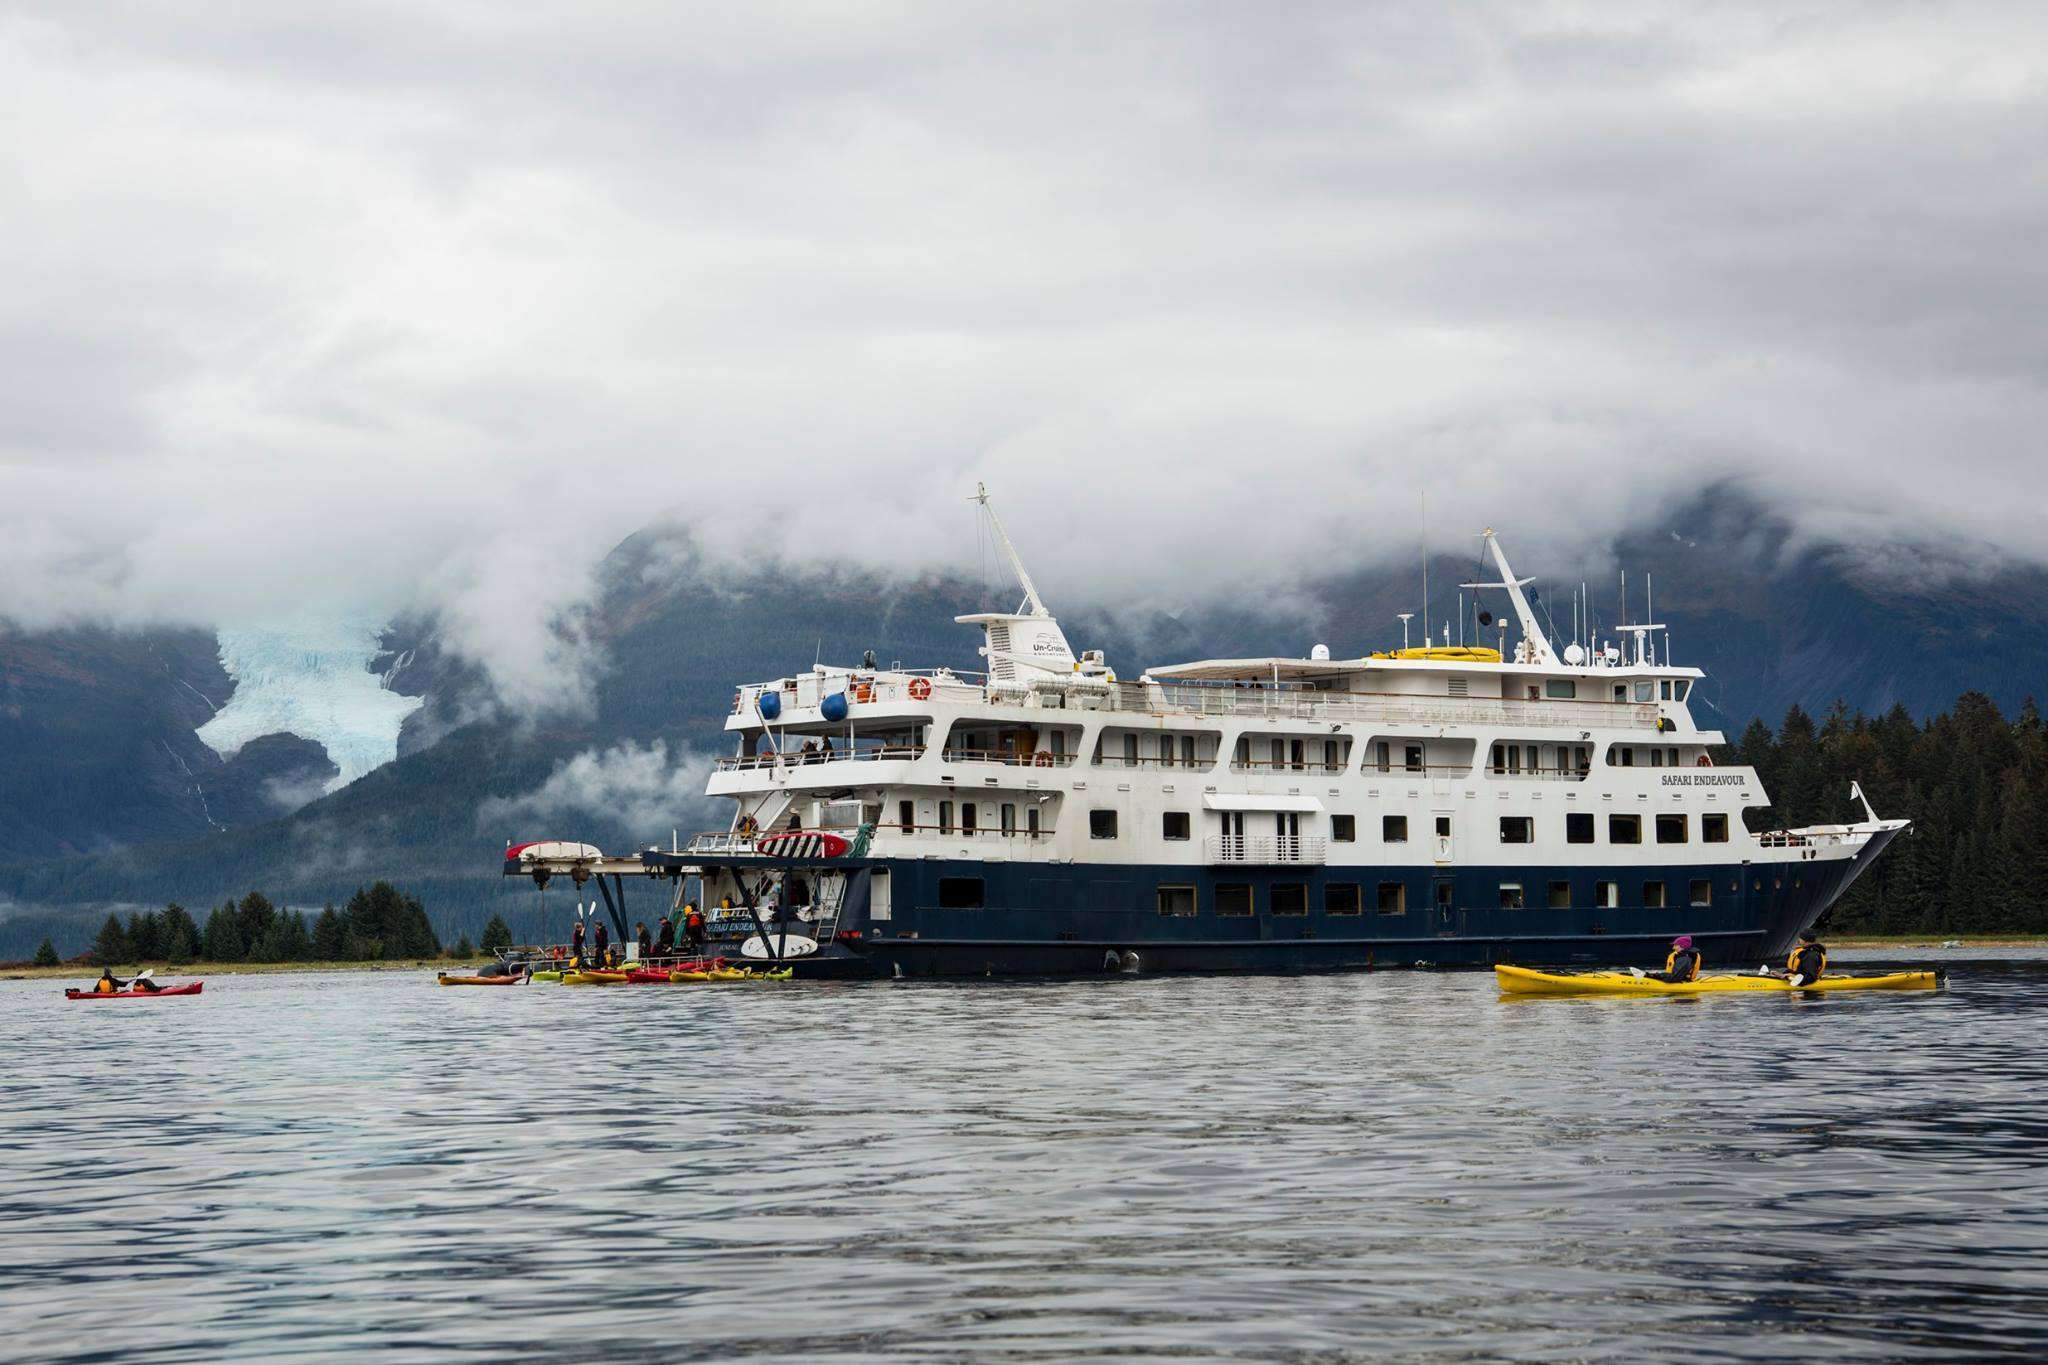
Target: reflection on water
{"x": 1284, "y": 1167}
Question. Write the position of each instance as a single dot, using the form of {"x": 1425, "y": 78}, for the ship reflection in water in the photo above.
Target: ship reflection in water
{"x": 1263, "y": 1167}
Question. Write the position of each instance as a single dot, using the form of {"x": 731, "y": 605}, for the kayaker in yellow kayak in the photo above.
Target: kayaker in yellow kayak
{"x": 1682, "y": 964}
{"x": 1808, "y": 963}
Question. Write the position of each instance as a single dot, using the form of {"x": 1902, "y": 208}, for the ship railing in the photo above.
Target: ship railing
{"x": 867, "y": 688}
{"x": 1794, "y": 838}
{"x": 1009, "y": 758}
{"x": 1267, "y": 849}
{"x": 1154, "y": 761}
{"x": 1390, "y": 707}
{"x": 797, "y": 758}
{"x": 1282, "y": 765}
{"x": 1539, "y": 774}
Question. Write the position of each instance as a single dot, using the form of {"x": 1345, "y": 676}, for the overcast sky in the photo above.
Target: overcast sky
{"x": 319, "y": 307}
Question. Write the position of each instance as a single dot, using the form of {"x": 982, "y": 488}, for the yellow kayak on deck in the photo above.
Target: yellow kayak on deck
{"x": 1529, "y": 981}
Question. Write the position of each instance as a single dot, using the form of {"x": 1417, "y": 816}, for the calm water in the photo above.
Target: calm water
{"x": 1306, "y": 1168}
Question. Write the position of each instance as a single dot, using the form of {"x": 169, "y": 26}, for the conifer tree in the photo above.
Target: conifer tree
{"x": 46, "y": 955}
{"x": 111, "y": 947}
{"x": 222, "y": 941}
{"x": 178, "y": 936}
{"x": 497, "y": 935}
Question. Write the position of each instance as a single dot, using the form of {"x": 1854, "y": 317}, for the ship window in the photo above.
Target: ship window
{"x": 1414, "y": 756}
{"x": 1560, "y": 688}
{"x": 960, "y": 893}
{"x": 1102, "y": 824}
{"x": 1624, "y": 829}
{"x": 1606, "y": 895}
{"x": 1330, "y": 763}
{"x": 1680, "y": 688}
{"x": 1166, "y": 751}
{"x": 1671, "y": 829}
{"x": 1621, "y": 691}
{"x": 1671, "y": 756}
{"x": 1578, "y": 827}
{"x": 945, "y": 817}
{"x": 1381, "y": 755}
{"x": 1499, "y": 762}
{"x": 1187, "y": 751}
{"x": 1702, "y": 892}
{"x": 1394, "y": 829}
{"x": 1031, "y": 821}
{"x": 1233, "y": 898}
{"x": 1344, "y": 829}
{"x": 1628, "y": 757}
{"x": 1656, "y": 758}
{"x": 1713, "y": 828}
{"x": 1514, "y": 758}
{"x": 1511, "y": 896}
{"x": 1340, "y": 898}
{"x": 1297, "y": 751}
{"x": 967, "y": 817}
{"x": 1560, "y": 896}
{"x": 1517, "y": 829}
{"x": 1177, "y": 901}
{"x": 1583, "y": 757}
{"x": 1443, "y": 827}
{"x": 1653, "y": 895}
{"x": 906, "y": 815}
{"x": 1646, "y": 691}
{"x": 1130, "y": 751}
{"x": 1664, "y": 689}
{"x": 1393, "y": 898}
{"x": 1173, "y": 825}
{"x": 1009, "y": 818}
{"x": 1243, "y": 755}
{"x": 1290, "y": 898}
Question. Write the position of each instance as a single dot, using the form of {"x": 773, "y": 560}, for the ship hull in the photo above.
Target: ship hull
{"x": 1071, "y": 919}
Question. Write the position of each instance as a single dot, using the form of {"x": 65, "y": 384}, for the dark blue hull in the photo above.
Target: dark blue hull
{"x": 1064, "y": 919}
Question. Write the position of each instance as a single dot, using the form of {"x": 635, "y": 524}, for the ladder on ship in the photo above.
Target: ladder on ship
{"x": 831, "y": 899}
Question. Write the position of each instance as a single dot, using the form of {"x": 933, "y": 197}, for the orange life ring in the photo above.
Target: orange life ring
{"x": 1041, "y": 759}
{"x": 920, "y": 688}
{"x": 863, "y": 692}
{"x": 1705, "y": 762}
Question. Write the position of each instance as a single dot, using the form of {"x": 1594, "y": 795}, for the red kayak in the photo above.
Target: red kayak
{"x": 192, "y": 989}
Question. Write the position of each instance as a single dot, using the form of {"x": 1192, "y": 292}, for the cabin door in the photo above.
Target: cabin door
{"x": 1441, "y": 844}
{"x": 1443, "y": 909}
{"x": 1287, "y": 826}
{"x": 1233, "y": 835}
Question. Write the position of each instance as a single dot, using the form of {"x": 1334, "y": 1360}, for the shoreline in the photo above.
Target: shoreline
{"x": 181, "y": 971}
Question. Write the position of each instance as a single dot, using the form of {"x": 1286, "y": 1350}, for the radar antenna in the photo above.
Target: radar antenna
{"x": 1032, "y": 605}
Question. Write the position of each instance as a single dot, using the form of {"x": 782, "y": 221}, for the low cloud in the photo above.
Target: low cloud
{"x": 427, "y": 315}
{"x": 643, "y": 790}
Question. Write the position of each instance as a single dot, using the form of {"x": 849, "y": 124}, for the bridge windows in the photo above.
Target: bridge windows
{"x": 960, "y": 893}
{"x": 1560, "y": 897}
{"x": 1714, "y": 828}
{"x": 1394, "y": 829}
{"x": 1700, "y": 893}
{"x": 1671, "y": 829}
{"x": 1233, "y": 899}
{"x": 1578, "y": 827}
{"x": 1624, "y": 829}
{"x": 1517, "y": 829}
{"x": 1177, "y": 902}
{"x": 1174, "y": 826}
{"x": 1341, "y": 898}
{"x": 1290, "y": 898}
{"x": 1393, "y": 898}
{"x": 1343, "y": 829}
{"x": 1102, "y": 824}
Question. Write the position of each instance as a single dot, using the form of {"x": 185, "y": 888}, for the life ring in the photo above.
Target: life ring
{"x": 1705, "y": 762}
{"x": 862, "y": 692}
{"x": 920, "y": 688}
{"x": 748, "y": 827}
{"x": 1041, "y": 759}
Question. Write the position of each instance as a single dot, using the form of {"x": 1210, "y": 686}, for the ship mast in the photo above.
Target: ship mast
{"x": 1532, "y": 634}
{"x": 1032, "y": 606}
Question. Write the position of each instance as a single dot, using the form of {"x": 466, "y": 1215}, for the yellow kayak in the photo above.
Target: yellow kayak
{"x": 594, "y": 978}
{"x": 1529, "y": 981}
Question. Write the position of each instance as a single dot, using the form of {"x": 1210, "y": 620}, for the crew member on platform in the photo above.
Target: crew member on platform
{"x": 604, "y": 945}
{"x": 693, "y": 929}
{"x": 665, "y": 938}
{"x": 576, "y": 943}
{"x": 646, "y": 941}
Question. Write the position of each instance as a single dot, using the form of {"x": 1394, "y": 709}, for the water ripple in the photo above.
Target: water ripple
{"x": 1315, "y": 1168}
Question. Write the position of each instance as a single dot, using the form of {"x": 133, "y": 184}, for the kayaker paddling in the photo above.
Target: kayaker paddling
{"x": 1681, "y": 964}
{"x": 1808, "y": 963}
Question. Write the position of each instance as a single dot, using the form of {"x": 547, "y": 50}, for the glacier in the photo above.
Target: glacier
{"x": 311, "y": 679}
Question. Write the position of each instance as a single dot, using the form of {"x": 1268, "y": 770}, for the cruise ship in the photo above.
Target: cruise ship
{"x": 1437, "y": 805}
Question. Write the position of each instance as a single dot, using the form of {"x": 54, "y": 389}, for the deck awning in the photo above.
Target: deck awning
{"x": 1245, "y": 801}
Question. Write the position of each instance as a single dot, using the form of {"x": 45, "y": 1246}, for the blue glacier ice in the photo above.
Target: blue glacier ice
{"x": 311, "y": 679}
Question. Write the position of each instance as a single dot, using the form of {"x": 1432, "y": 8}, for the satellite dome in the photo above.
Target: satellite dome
{"x": 1320, "y": 653}
{"x": 1573, "y": 654}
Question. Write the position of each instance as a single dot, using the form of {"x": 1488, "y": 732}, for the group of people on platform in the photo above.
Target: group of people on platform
{"x": 1807, "y": 964}
{"x": 596, "y": 949}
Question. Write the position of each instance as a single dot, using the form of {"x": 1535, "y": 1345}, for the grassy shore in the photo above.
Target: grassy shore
{"x": 166, "y": 972}
{"x": 1934, "y": 941}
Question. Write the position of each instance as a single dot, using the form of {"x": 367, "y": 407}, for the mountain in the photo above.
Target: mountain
{"x": 112, "y": 799}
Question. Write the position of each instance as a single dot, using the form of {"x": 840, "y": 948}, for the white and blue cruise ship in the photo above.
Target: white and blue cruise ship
{"x": 1430, "y": 806}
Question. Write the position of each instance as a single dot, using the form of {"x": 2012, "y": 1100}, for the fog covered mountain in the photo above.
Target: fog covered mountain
{"x": 142, "y": 768}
